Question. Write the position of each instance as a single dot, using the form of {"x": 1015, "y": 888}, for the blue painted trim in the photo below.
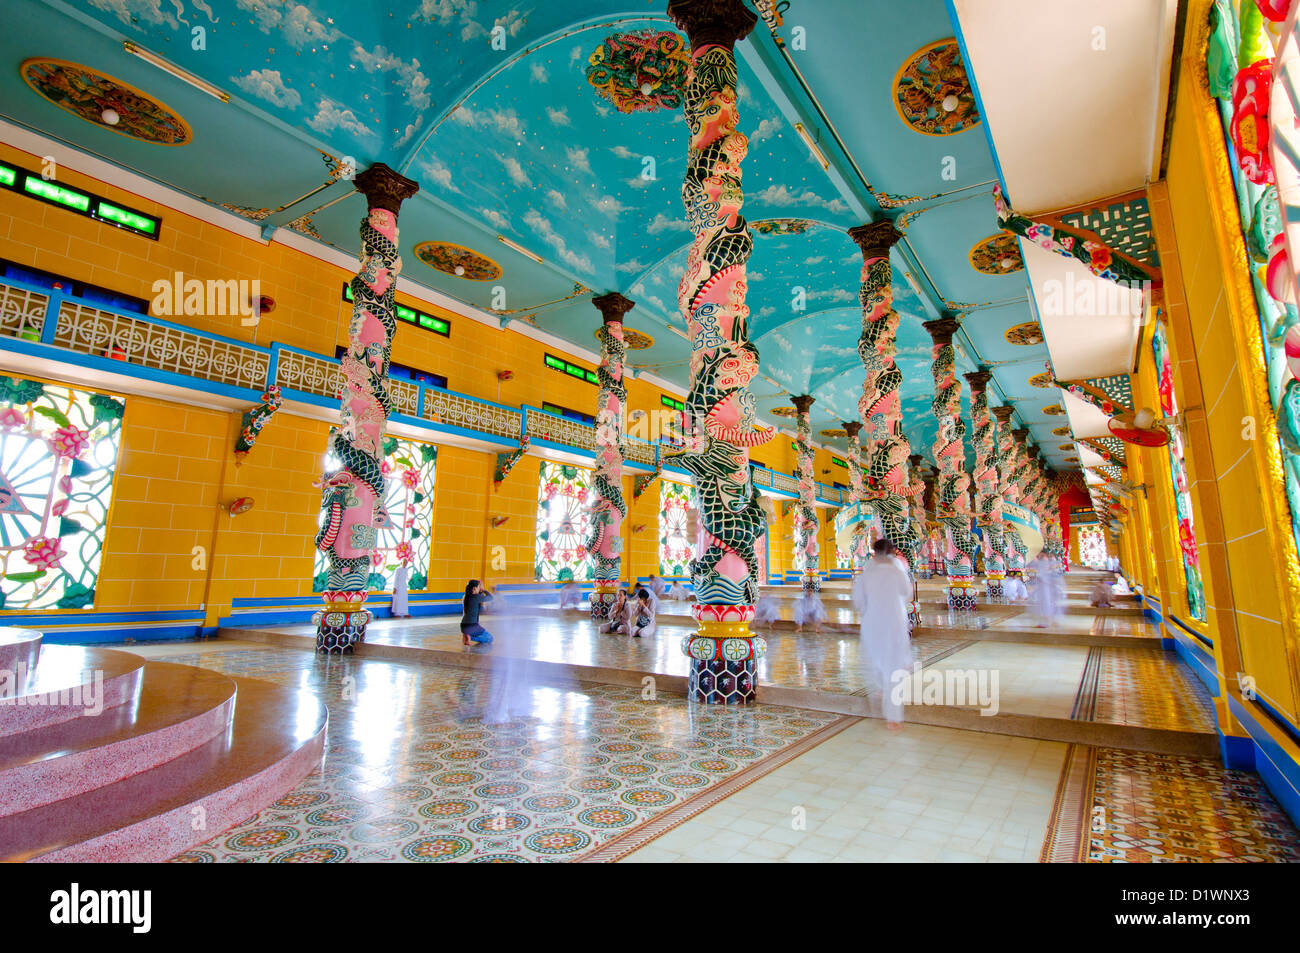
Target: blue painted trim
{"x": 253, "y": 602}
{"x": 1199, "y": 661}
{"x": 99, "y": 636}
{"x": 975, "y": 89}
{"x": 1238, "y": 754}
{"x": 1278, "y": 769}
{"x": 1189, "y": 630}
{"x": 51, "y": 325}
{"x": 1278, "y": 718}
{"x": 36, "y": 619}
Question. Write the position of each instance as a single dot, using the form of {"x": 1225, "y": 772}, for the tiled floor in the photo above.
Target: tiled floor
{"x": 871, "y": 794}
{"x": 428, "y": 763}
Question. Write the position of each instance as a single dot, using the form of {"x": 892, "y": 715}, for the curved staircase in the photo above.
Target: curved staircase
{"x": 107, "y": 757}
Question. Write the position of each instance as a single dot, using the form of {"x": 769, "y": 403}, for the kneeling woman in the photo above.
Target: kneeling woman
{"x": 470, "y": 630}
{"x": 642, "y": 615}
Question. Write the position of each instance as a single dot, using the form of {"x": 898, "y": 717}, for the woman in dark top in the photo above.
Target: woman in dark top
{"x": 470, "y": 630}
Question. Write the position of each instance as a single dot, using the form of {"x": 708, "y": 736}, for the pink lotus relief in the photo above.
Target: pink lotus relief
{"x": 70, "y": 441}
{"x": 12, "y": 418}
{"x": 43, "y": 552}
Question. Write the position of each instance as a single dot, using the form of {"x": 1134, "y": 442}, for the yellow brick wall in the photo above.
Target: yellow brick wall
{"x": 1214, "y": 337}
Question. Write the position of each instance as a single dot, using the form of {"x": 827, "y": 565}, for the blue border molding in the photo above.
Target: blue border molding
{"x": 1278, "y": 769}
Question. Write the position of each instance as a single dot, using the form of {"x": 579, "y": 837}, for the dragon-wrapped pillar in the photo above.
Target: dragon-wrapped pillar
{"x": 605, "y": 527}
{"x": 879, "y": 406}
{"x": 806, "y": 524}
{"x": 988, "y": 499}
{"x": 352, "y": 497}
{"x": 954, "y": 508}
{"x": 718, "y": 421}
{"x": 859, "y": 488}
{"x": 1015, "y": 552}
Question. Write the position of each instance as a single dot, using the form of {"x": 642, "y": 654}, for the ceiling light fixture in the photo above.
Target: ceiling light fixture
{"x": 110, "y": 117}
{"x": 812, "y": 145}
{"x": 520, "y": 248}
{"x": 168, "y": 67}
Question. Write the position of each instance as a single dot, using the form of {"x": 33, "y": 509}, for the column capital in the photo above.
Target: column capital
{"x": 1020, "y": 435}
{"x": 1032, "y": 450}
{"x": 613, "y": 306}
{"x": 803, "y": 403}
{"x": 978, "y": 380}
{"x": 1003, "y": 414}
{"x": 852, "y": 427}
{"x": 875, "y": 238}
{"x": 712, "y": 22}
{"x": 384, "y": 188}
{"x": 941, "y": 330}
{"x": 915, "y": 461}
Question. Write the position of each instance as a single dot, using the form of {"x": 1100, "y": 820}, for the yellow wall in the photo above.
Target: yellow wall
{"x": 1247, "y": 557}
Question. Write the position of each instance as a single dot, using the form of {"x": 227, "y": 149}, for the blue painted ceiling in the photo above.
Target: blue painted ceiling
{"x": 516, "y": 142}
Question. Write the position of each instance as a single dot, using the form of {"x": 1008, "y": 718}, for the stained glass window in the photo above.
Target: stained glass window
{"x": 1178, "y": 471}
{"x": 676, "y": 548}
{"x": 1092, "y": 547}
{"x": 58, "y": 452}
{"x": 408, "y": 469}
{"x": 562, "y": 523}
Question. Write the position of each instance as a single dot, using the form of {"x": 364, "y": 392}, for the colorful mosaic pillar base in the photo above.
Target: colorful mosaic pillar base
{"x": 602, "y": 600}
{"x": 604, "y": 540}
{"x": 340, "y": 627}
{"x": 352, "y": 498}
{"x": 961, "y": 595}
{"x": 719, "y": 415}
{"x": 724, "y": 655}
{"x": 993, "y": 586}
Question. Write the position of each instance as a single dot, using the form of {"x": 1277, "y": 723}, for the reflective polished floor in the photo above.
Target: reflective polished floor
{"x": 426, "y": 762}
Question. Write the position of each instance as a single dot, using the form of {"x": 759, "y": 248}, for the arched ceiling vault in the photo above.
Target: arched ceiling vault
{"x": 488, "y": 104}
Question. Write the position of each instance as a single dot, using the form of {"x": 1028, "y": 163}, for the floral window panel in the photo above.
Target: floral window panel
{"x": 1092, "y": 547}
{"x": 1178, "y": 471}
{"x": 58, "y": 453}
{"x": 676, "y": 548}
{"x": 562, "y": 523}
{"x": 409, "y": 471}
{"x": 843, "y": 559}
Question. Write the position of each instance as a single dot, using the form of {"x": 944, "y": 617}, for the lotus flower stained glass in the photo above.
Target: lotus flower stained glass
{"x": 58, "y": 453}
{"x": 562, "y": 523}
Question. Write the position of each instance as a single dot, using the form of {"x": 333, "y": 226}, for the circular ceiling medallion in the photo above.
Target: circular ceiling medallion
{"x": 782, "y": 411}
{"x": 641, "y": 71}
{"x": 1024, "y": 335}
{"x": 780, "y": 226}
{"x": 457, "y": 261}
{"x": 1065, "y": 446}
{"x": 841, "y": 432}
{"x": 1056, "y": 410}
{"x": 104, "y": 101}
{"x": 997, "y": 255}
{"x": 634, "y": 340}
{"x": 1061, "y": 432}
{"x": 1042, "y": 380}
{"x": 1071, "y": 459}
{"x": 932, "y": 92}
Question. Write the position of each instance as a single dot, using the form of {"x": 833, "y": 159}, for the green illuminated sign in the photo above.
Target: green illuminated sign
{"x": 7, "y": 175}
{"x": 57, "y": 194}
{"x": 671, "y": 402}
{"x": 839, "y": 463}
{"x": 126, "y": 218}
{"x": 411, "y": 316}
{"x": 554, "y": 362}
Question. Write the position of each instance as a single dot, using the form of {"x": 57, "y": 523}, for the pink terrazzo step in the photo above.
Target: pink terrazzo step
{"x": 58, "y": 689}
{"x": 276, "y": 739}
{"x": 19, "y": 651}
{"x": 179, "y": 708}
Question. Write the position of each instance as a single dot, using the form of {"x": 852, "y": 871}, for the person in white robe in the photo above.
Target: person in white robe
{"x": 881, "y": 593}
{"x": 1014, "y": 590}
{"x": 618, "y": 621}
{"x": 808, "y": 610}
{"x": 570, "y": 596}
{"x": 678, "y": 592}
{"x": 1047, "y": 591}
{"x": 656, "y": 585}
{"x": 768, "y": 611}
{"x": 401, "y": 579}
